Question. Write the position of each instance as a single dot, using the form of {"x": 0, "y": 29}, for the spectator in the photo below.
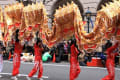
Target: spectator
{"x": 53, "y": 50}
{"x": 87, "y": 57}
{"x": 69, "y": 50}
{"x": 60, "y": 48}
{"x": 103, "y": 59}
{"x": 46, "y": 49}
{"x": 65, "y": 47}
{"x": 46, "y": 57}
{"x": 5, "y": 54}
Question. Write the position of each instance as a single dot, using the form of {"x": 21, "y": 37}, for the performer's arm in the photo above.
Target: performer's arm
{"x": 76, "y": 50}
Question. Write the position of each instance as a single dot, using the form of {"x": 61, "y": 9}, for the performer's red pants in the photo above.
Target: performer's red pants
{"x": 74, "y": 69}
{"x": 111, "y": 70}
{"x": 16, "y": 64}
{"x": 37, "y": 66}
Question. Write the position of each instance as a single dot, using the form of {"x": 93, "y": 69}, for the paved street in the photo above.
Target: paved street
{"x": 57, "y": 71}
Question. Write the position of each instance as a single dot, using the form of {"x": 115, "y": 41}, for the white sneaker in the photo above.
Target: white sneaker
{"x": 28, "y": 78}
{"x": 0, "y": 76}
{"x": 40, "y": 79}
{"x": 14, "y": 78}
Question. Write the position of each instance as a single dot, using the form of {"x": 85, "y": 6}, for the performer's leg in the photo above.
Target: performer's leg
{"x": 16, "y": 66}
{"x": 71, "y": 76}
{"x": 106, "y": 78}
{"x": 111, "y": 74}
{"x": 71, "y": 73}
{"x": 77, "y": 70}
{"x": 40, "y": 69}
{"x": 34, "y": 70}
{"x": 72, "y": 69}
{"x": 111, "y": 71}
{"x": 14, "y": 72}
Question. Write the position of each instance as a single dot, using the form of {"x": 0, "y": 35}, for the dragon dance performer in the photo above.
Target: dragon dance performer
{"x": 16, "y": 57}
{"x": 38, "y": 60}
{"x": 74, "y": 64}
{"x": 110, "y": 62}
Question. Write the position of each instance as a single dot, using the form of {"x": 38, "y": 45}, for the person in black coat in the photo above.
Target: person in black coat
{"x": 60, "y": 48}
